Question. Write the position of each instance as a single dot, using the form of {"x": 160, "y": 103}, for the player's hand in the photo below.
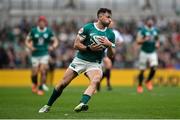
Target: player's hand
{"x": 32, "y": 48}
{"x": 146, "y": 38}
{"x": 50, "y": 48}
{"x": 157, "y": 44}
{"x": 105, "y": 41}
{"x": 96, "y": 47}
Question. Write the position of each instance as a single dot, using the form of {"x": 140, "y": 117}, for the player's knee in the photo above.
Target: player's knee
{"x": 94, "y": 84}
{"x": 142, "y": 71}
{"x": 34, "y": 73}
{"x": 141, "y": 74}
{"x": 43, "y": 71}
{"x": 96, "y": 81}
{"x": 154, "y": 68}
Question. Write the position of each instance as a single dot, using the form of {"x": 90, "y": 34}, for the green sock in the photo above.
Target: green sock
{"x": 40, "y": 87}
{"x": 85, "y": 98}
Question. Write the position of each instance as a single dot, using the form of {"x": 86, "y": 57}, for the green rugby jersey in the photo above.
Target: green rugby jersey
{"x": 89, "y": 32}
{"x": 41, "y": 40}
{"x": 149, "y": 46}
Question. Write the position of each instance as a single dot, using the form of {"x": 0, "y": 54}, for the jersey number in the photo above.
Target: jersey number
{"x": 40, "y": 41}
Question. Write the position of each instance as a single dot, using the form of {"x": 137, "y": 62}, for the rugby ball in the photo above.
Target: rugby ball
{"x": 96, "y": 40}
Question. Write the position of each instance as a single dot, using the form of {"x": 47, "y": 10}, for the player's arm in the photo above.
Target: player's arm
{"x": 54, "y": 43}
{"x": 111, "y": 52}
{"x": 157, "y": 41}
{"x": 78, "y": 45}
{"x": 139, "y": 39}
{"x": 29, "y": 43}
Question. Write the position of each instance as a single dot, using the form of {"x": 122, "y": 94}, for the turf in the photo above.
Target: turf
{"x": 121, "y": 102}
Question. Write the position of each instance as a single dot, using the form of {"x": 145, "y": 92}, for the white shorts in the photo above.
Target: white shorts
{"x": 36, "y": 61}
{"x": 80, "y": 66}
{"x": 147, "y": 57}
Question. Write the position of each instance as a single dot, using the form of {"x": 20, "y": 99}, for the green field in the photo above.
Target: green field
{"x": 121, "y": 102}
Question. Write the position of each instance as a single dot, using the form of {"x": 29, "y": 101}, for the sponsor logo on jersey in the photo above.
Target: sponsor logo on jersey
{"x": 92, "y": 34}
{"x": 45, "y": 35}
{"x": 147, "y": 33}
{"x": 154, "y": 33}
{"x": 36, "y": 36}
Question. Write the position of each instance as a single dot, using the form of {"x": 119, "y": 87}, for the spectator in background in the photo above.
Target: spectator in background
{"x": 124, "y": 58}
{"x": 3, "y": 58}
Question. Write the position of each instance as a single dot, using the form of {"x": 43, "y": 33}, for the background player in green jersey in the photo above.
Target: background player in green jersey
{"x": 88, "y": 58}
{"x": 38, "y": 41}
{"x": 148, "y": 39}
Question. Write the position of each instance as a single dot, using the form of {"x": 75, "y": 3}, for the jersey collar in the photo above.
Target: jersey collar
{"x": 41, "y": 30}
{"x": 149, "y": 28}
{"x": 103, "y": 30}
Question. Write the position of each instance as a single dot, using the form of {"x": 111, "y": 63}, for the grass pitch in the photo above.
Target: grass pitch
{"x": 121, "y": 102}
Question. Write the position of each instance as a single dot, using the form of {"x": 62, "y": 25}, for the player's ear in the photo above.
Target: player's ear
{"x": 99, "y": 16}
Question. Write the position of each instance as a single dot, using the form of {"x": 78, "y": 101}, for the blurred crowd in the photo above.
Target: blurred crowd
{"x": 14, "y": 54}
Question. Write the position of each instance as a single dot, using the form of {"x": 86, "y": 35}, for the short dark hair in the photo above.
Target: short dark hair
{"x": 103, "y": 10}
{"x": 149, "y": 18}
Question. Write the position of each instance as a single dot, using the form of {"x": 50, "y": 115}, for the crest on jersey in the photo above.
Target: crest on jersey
{"x": 81, "y": 31}
{"x": 45, "y": 35}
{"x": 147, "y": 33}
{"x": 154, "y": 33}
{"x": 73, "y": 65}
{"x": 36, "y": 36}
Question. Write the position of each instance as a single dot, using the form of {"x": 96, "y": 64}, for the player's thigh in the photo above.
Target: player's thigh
{"x": 35, "y": 62}
{"x": 94, "y": 75}
{"x": 69, "y": 75}
{"x": 153, "y": 60}
{"x": 35, "y": 65}
{"x": 143, "y": 58}
{"x": 44, "y": 60}
{"x": 78, "y": 65}
{"x": 107, "y": 62}
{"x": 94, "y": 72}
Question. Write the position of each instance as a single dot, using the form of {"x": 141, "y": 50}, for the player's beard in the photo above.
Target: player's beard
{"x": 149, "y": 25}
{"x": 105, "y": 24}
{"x": 42, "y": 27}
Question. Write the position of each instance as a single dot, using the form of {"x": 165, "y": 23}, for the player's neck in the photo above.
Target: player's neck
{"x": 100, "y": 26}
{"x": 148, "y": 27}
{"x": 41, "y": 29}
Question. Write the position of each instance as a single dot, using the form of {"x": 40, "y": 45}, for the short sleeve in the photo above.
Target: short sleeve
{"x": 156, "y": 32}
{"x": 141, "y": 32}
{"x": 51, "y": 34}
{"x": 83, "y": 32}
